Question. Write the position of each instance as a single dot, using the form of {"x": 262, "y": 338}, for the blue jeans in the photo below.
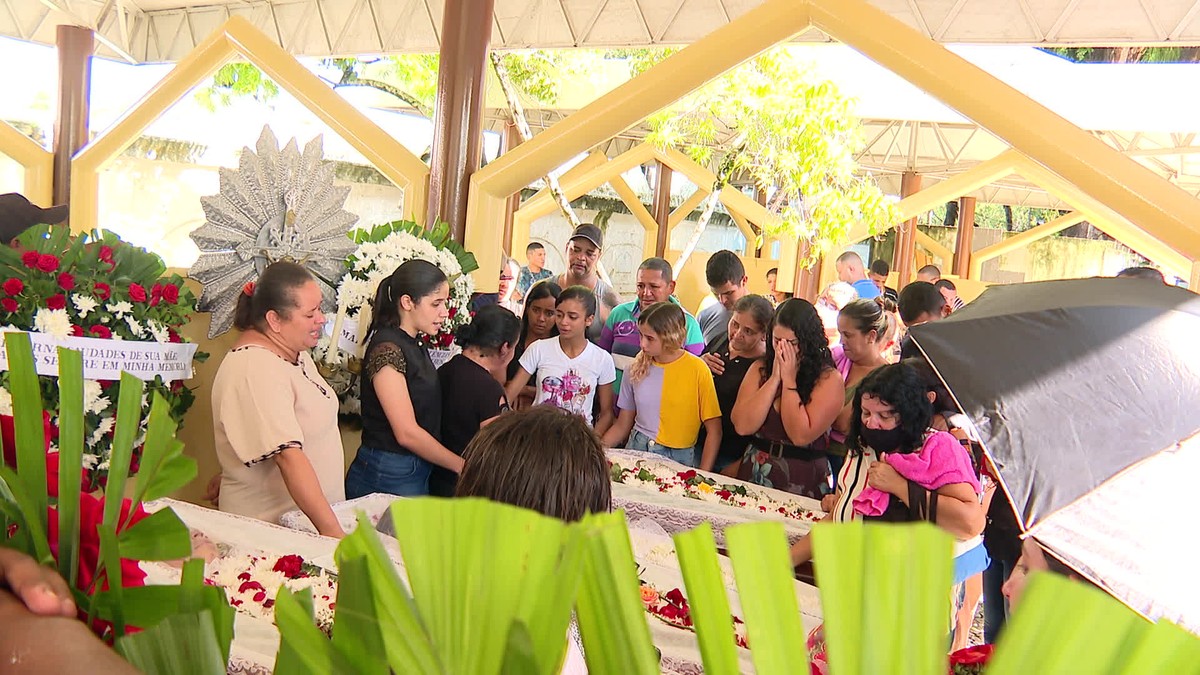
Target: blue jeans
{"x": 995, "y": 607}
{"x": 640, "y": 441}
{"x": 381, "y": 471}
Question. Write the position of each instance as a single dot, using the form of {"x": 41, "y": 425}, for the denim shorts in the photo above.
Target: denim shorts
{"x": 372, "y": 470}
{"x": 640, "y": 441}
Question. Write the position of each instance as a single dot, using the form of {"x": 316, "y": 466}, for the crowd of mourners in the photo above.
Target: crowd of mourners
{"x": 828, "y": 400}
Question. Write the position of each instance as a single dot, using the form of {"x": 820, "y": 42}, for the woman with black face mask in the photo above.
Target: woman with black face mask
{"x": 892, "y": 413}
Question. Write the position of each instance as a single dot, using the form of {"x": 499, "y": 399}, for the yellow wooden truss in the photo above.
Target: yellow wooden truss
{"x": 37, "y": 162}
{"x": 1135, "y": 200}
{"x": 595, "y": 170}
{"x": 238, "y": 37}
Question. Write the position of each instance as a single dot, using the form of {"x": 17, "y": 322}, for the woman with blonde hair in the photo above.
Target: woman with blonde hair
{"x": 667, "y": 394}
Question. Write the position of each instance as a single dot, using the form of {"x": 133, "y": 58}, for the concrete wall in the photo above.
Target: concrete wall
{"x": 1043, "y": 260}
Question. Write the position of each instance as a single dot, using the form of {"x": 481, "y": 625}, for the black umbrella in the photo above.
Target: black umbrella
{"x": 1086, "y": 395}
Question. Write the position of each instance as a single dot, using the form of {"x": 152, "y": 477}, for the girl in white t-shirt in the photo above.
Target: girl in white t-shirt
{"x": 571, "y": 372}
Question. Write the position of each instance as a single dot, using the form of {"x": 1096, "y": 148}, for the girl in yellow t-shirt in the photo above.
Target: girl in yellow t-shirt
{"x": 667, "y": 394}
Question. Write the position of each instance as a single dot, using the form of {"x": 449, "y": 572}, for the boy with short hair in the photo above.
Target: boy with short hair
{"x": 533, "y": 272}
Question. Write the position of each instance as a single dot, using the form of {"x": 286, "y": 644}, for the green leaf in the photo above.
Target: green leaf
{"x": 70, "y": 460}
{"x": 110, "y": 569}
{"x": 176, "y": 471}
{"x": 159, "y": 536}
{"x": 766, "y": 587}
{"x": 467, "y": 562}
{"x": 697, "y": 551}
{"x": 519, "y": 658}
{"x": 1164, "y": 648}
{"x": 129, "y": 415}
{"x": 303, "y": 648}
{"x": 891, "y": 582}
{"x": 23, "y": 508}
{"x": 545, "y": 612}
{"x": 184, "y": 644}
{"x": 356, "y": 629}
{"x": 1064, "y": 626}
{"x": 405, "y": 639}
{"x": 164, "y": 468}
{"x": 29, "y": 433}
{"x": 612, "y": 621}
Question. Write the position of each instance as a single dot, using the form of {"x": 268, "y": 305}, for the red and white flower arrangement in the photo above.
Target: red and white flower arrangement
{"x": 660, "y": 477}
{"x": 672, "y": 608}
{"x": 92, "y": 285}
{"x": 252, "y": 581}
{"x": 381, "y": 250}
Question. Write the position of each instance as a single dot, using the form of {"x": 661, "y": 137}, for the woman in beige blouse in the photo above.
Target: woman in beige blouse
{"x": 274, "y": 416}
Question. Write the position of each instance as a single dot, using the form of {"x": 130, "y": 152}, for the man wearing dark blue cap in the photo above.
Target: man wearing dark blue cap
{"x": 583, "y": 255}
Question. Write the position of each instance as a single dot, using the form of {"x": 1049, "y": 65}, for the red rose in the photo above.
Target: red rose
{"x": 30, "y": 259}
{"x": 675, "y": 596}
{"x": 14, "y": 286}
{"x": 170, "y": 293}
{"x": 56, "y": 301}
{"x": 137, "y": 293}
{"x": 47, "y": 263}
{"x": 9, "y": 305}
{"x": 290, "y": 566}
{"x": 172, "y": 336}
{"x": 103, "y": 332}
{"x": 106, "y": 254}
{"x": 66, "y": 281}
{"x": 102, "y": 291}
{"x": 77, "y": 331}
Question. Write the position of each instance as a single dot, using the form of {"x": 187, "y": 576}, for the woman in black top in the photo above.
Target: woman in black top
{"x": 537, "y": 323}
{"x": 747, "y": 343}
{"x": 471, "y": 392}
{"x": 401, "y": 398}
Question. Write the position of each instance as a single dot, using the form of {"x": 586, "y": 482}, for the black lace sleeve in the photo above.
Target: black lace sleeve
{"x": 384, "y": 355}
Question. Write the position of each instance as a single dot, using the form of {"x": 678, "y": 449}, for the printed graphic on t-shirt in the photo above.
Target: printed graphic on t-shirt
{"x": 569, "y": 392}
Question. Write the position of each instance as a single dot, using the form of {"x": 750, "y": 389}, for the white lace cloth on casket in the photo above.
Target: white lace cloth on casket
{"x": 676, "y": 513}
{"x": 256, "y": 641}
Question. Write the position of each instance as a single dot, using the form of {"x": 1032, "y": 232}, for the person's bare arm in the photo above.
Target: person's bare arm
{"x": 605, "y": 419}
{"x": 712, "y": 443}
{"x": 958, "y": 509}
{"x": 34, "y": 645}
{"x": 754, "y": 401}
{"x": 618, "y": 433}
{"x": 802, "y": 550}
{"x": 302, "y": 484}
{"x": 805, "y": 423}
{"x": 392, "y": 390}
{"x": 516, "y": 386}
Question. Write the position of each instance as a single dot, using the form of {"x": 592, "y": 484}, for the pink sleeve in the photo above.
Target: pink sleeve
{"x": 841, "y": 361}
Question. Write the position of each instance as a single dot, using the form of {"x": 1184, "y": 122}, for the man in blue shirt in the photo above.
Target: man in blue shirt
{"x": 850, "y": 270}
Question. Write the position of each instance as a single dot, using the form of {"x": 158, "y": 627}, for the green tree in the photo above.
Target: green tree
{"x": 237, "y": 80}
{"x": 792, "y": 134}
{"x": 1128, "y": 54}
